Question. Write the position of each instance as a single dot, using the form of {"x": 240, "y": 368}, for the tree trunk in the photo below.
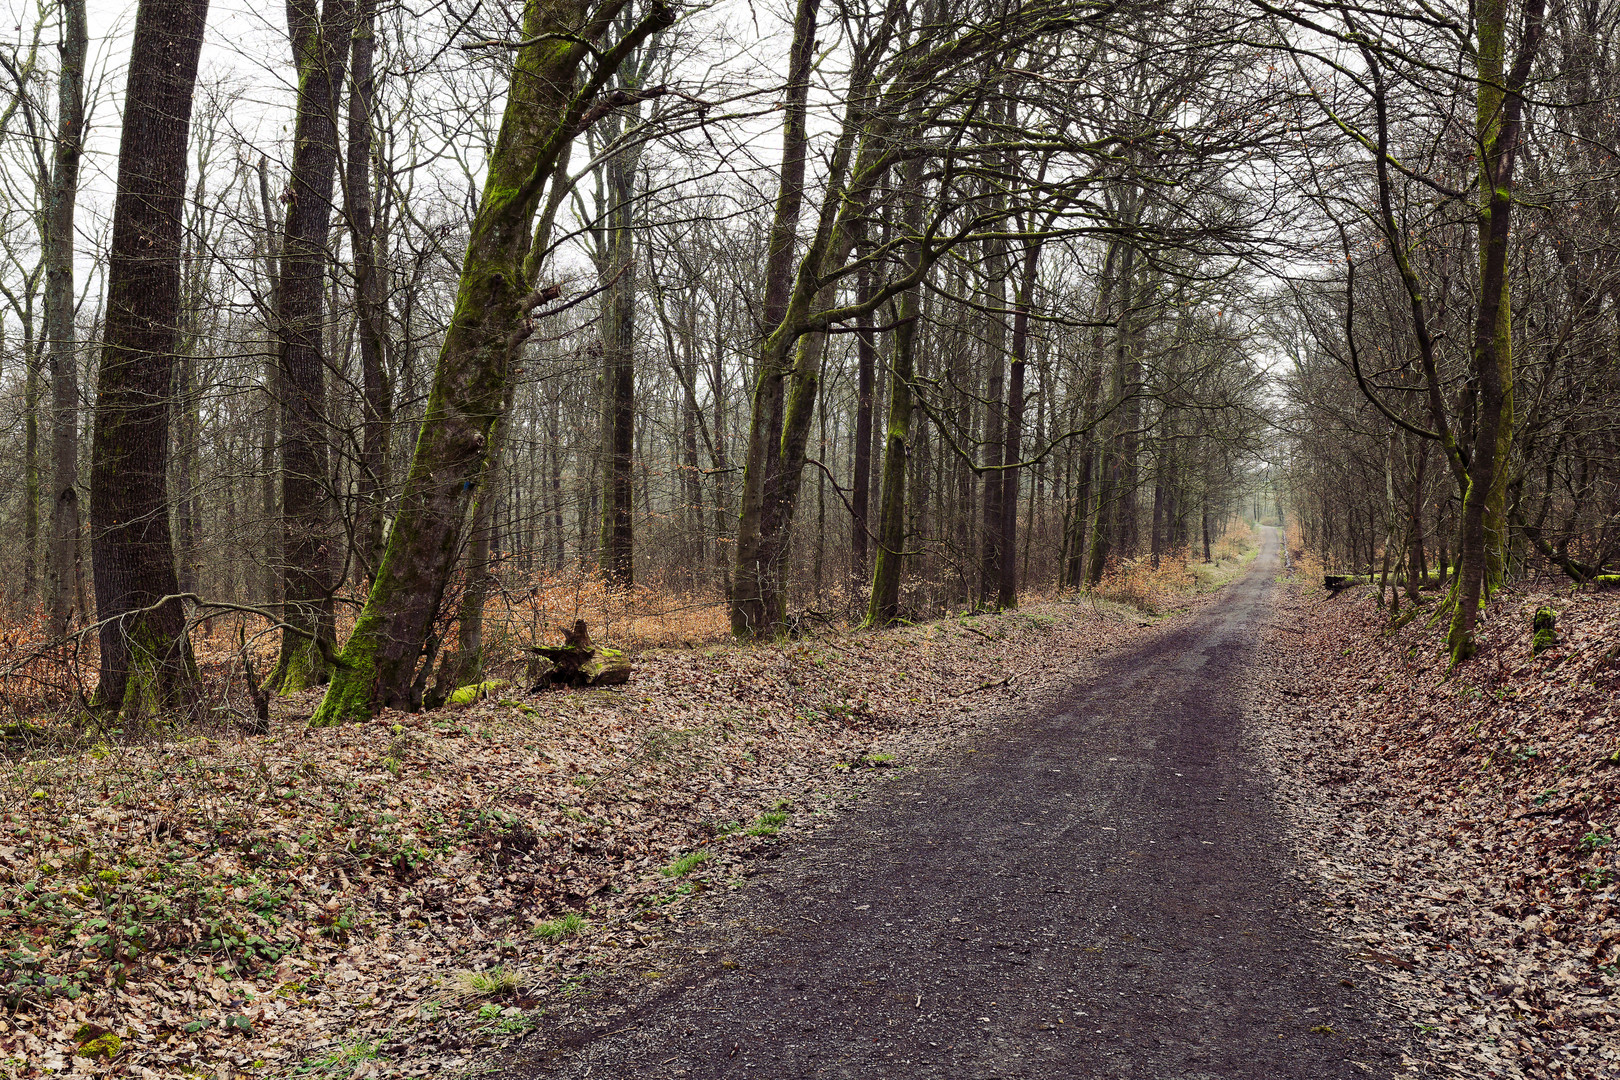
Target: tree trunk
{"x": 1075, "y": 574}
{"x": 772, "y": 481}
{"x": 1497, "y": 127}
{"x": 545, "y": 109}
{"x": 691, "y": 471}
{"x": 59, "y": 329}
{"x": 750, "y": 607}
{"x": 1012, "y": 451}
{"x": 1105, "y": 529}
{"x": 269, "y": 432}
{"x": 464, "y": 665}
{"x": 992, "y": 545}
{"x": 309, "y": 550}
{"x": 619, "y": 374}
{"x": 883, "y": 606}
{"x": 146, "y": 661}
{"x": 31, "y": 465}
{"x": 187, "y": 428}
{"x": 1156, "y": 541}
{"x": 865, "y": 380}
{"x": 1415, "y": 569}
{"x": 721, "y": 458}
{"x": 371, "y": 312}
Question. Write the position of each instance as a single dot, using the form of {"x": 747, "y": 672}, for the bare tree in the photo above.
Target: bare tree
{"x": 146, "y": 661}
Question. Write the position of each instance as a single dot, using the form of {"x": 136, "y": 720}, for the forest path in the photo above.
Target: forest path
{"x": 1093, "y": 892}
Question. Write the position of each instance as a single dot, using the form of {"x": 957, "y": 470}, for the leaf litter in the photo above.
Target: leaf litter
{"x": 1457, "y": 828}
{"x": 406, "y": 896}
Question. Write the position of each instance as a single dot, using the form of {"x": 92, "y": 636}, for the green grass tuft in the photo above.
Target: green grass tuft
{"x": 686, "y": 864}
{"x": 565, "y": 926}
{"x": 494, "y": 982}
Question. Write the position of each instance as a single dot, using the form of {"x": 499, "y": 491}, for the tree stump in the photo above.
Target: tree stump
{"x": 577, "y": 662}
{"x": 1545, "y": 625}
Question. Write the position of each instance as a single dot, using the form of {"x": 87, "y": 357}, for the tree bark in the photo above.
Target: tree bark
{"x": 1013, "y": 449}
{"x": 1105, "y": 528}
{"x": 883, "y": 606}
{"x": 464, "y": 665}
{"x": 619, "y": 372}
{"x": 1414, "y": 521}
{"x": 992, "y": 544}
{"x": 1076, "y": 574}
{"x": 865, "y": 381}
{"x": 269, "y": 432}
{"x": 32, "y": 473}
{"x": 762, "y": 468}
{"x": 1497, "y": 128}
{"x": 59, "y": 303}
{"x": 309, "y": 549}
{"x": 146, "y": 661}
{"x": 371, "y": 313}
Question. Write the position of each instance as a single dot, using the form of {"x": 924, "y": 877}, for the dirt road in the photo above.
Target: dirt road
{"x": 1095, "y": 892}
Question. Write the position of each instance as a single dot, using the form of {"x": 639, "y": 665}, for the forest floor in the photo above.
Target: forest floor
{"x": 1459, "y": 828}
{"x": 407, "y": 896}
{"x": 1420, "y": 866}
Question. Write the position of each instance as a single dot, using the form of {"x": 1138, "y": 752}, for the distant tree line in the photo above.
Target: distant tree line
{"x": 914, "y": 306}
{"x": 1451, "y": 383}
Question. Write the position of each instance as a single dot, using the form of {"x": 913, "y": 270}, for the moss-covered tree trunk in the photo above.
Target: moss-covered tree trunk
{"x": 883, "y": 605}
{"x": 546, "y": 108}
{"x": 1500, "y": 106}
{"x": 773, "y": 471}
{"x": 309, "y": 541}
{"x": 463, "y": 665}
{"x": 146, "y": 661}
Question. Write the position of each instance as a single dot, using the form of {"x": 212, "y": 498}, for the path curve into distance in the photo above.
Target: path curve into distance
{"x": 1098, "y": 891}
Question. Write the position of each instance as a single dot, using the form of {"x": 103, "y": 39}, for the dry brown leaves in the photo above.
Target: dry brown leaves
{"x": 1462, "y": 826}
{"x": 318, "y": 902}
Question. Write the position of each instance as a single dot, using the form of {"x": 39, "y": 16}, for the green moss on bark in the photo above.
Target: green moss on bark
{"x": 301, "y": 668}
{"x": 352, "y": 693}
{"x": 466, "y": 695}
{"x": 1546, "y": 634}
{"x": 162, "y": 675}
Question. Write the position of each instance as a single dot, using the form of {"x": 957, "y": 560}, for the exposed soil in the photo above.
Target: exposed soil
{"x": 1101, "y": 889}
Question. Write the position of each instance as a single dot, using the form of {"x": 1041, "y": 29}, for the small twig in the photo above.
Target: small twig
{"x": 1007, "y": 681}
{"x": 1555, "y": 811}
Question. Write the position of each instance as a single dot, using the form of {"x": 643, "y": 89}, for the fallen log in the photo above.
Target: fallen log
{"x": 577, "y": 662}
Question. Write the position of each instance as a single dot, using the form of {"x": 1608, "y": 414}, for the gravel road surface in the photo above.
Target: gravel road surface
{"x": 1098, "y": 891}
